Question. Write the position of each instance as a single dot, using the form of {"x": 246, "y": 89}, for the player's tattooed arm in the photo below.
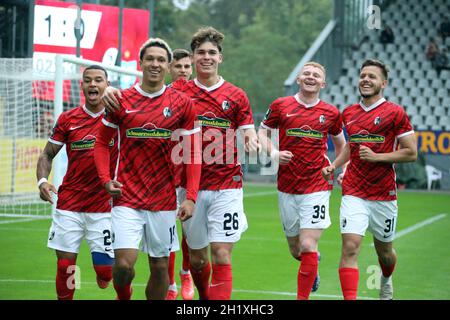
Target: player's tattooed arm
{"x": 109, "y": 99}
{"x": 44, "y": 166}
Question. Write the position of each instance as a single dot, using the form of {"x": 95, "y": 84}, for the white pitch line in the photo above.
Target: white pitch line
{"x": 418, "y": 226}
{"x": 16, "y": 221}
{"x": 279, "y": 293}
{"x": 259, "y": 194}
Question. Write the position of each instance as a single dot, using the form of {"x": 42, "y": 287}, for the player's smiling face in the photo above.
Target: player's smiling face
{"x": 181, "y": 69}
{"x": 207, "y": 58}
{"x": 154, "y": 65}
{"x": 371, "y": 81}
{"x": 311, "y": 79}
{"x": 94, "y": 84}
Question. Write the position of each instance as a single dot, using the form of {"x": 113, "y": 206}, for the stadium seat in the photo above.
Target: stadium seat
{"x": 431, "y": 121}
{"x": 433, "y": 175}
{"x": 409, "y": 83}
{"x": 421, "y": 101}
{"x": 425, "y": 110}
{"x": 437, "y": 83}
{"x": 416, "y": 119}
{"x": 434, "y": 102}
{"x": 442, "y": 93}
{"x": 411, "y": 110}
{"x": 440, "y": 112}
{"x": 423, "y": 83}
{"x": 417, "y": 74}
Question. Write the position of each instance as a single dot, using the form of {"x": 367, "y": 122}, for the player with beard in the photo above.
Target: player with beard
{"x": 83, "y": 209}
{"x": 304, "y": 122}
{"x": 375, "y": 128}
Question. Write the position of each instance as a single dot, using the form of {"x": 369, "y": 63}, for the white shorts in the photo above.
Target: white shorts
{"x": 69, "y": 228}
{"x": 304, "y": 211}
{"x": 358, "y": 215}
{"x": 218, "y": 217}
{"x": 156, "y": 229}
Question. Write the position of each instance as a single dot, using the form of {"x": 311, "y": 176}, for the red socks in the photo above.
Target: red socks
{"x": 186, "y": 260}
{"x": 386, "y": 270}
{"x": 221, "y": 282}
{"x": 65, "y": 288}
{"x": 123, "y": 293}
{"x": 172, "y": 268}
{"x": 201, "y": 280}
{"x": 349, "y": 282}
{"x": 307, "y": 272}
{"x": 104, "y": 273}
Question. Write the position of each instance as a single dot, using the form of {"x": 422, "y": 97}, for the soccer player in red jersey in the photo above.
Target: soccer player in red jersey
{"x": 219, "y": 218}
{"x": 83, "y": 208}
{"x": 304, "y": 122}
{"x": 375, "y": 128}
{"x": 180, "y": 68}
{"x": 143, "y": 188}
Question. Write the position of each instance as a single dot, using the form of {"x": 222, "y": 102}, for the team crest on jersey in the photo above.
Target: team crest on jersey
{"x": 304, "y": 132}
{"x": 209, "y": 119}
{"x": 225, "y": 105}
{"x": 377, "y": 121}
{"x": 148, "y": 130}
{"x": 365, "y": 136}
{"x": 322, "y": 118}
{"x": 86, "y": 143}
{"x": 167, "y": 112}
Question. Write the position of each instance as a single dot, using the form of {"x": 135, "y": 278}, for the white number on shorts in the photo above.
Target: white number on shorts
{"x": 231, "y": 219}
{"x": 319, "y": 212}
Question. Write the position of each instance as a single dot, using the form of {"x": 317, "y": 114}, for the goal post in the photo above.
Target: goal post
{"x": 31, "y": 100}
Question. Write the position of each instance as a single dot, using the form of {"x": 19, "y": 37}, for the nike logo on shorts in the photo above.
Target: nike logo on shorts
{"x": 229, "y": 234}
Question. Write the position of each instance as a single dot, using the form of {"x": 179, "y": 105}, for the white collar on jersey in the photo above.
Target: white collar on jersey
{"x": 315, "y": 103}
{"x": 212, "y": 88}
{"x": 137, "y": 86}
{"x": 373, "y": 106}
{"x": 93, "y": 115}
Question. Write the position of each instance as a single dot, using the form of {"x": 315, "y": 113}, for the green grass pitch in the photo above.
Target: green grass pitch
{"x": 262, "y": 266}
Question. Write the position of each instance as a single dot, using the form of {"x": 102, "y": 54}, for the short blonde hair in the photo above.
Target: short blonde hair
{"x": 317, "y": 65}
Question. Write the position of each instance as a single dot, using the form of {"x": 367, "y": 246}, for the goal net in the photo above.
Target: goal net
{"x": 31, "y": 100}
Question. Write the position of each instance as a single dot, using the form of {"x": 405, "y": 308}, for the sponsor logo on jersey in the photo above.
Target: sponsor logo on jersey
{"x": 322, "y": 118}
{"x": 148, "y": 130}
{"x": 209, "y": 119}
{"x": 304, "y": 132}
{"x": 365, "y": 136}
{"x": 86, "y": 143}
{"x": 167, "y": 112}
{"x": 225, "y": 105}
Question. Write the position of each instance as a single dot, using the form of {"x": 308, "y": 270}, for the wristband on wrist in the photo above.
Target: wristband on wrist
{"x": 41, "y": 181}
{"x": 274, "y": 154}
